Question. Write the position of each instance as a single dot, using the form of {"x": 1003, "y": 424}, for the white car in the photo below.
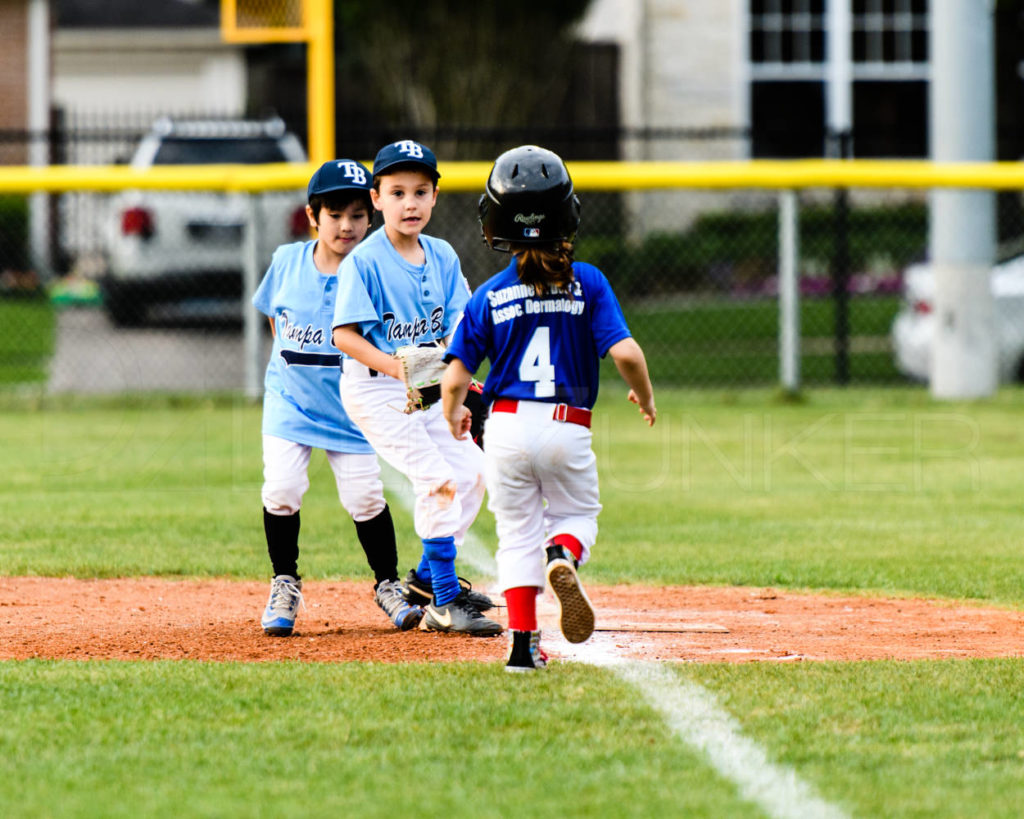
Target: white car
{"x": 914, "y": 326}
{"x": 184, "y": 249}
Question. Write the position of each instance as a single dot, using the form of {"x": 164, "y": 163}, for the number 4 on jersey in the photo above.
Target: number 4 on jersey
{"x": 536, "y": 364}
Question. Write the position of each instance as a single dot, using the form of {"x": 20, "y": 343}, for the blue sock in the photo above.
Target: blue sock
{"x": 440, "y": 552}
{"x": 423, "y": 570}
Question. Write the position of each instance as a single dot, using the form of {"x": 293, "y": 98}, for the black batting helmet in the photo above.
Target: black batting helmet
{"x": 529, "y": 200}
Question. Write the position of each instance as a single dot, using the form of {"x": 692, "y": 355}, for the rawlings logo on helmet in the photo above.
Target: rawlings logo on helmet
{"x": 532, "y": 219}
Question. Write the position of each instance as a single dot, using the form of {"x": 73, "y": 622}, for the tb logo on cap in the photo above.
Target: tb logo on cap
{"x": 410, "y": 148}
{"x": 351, "y": 170}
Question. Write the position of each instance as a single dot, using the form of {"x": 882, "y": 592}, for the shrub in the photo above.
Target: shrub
{"x": 727, "y": 250}
{"x": 14, "y": 233}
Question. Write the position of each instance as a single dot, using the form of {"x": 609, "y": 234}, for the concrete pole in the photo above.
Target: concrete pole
{"x": 38, "y": 125}
{"x": 962, "y": 235}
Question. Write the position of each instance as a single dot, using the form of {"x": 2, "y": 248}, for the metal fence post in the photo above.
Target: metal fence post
{"x": 841, "y": 283}
{"x": 250, "y": 317}
{"x": 789, "y": 291}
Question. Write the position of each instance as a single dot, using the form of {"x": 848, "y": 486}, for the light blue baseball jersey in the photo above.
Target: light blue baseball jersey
{"x": 541, "y": 348}
{"x": 395, "y": 303}
{"x": 301, "y": 402}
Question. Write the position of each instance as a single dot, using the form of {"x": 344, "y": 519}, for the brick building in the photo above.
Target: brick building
{"x": 13, "y": 79}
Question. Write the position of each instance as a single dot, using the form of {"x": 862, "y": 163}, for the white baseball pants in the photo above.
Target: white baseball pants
{"x": 420, "y": 446}
{"x": 286, "y": 479}
{"x": 541, "y": 482}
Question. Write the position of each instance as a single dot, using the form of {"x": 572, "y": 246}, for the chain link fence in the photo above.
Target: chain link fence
{"x": 697, "y": 273}
{"x": 94, "y": 309}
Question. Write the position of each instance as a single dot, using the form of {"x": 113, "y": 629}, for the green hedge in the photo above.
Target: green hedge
{"x": 28, "y": 330}
{"x": 14, "y": 253}
{"x": 729, "y": 249}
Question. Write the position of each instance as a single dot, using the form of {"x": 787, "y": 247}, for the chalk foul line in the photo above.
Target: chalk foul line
{"x": 690, "y": 711}
{"x": 694, "y": 715}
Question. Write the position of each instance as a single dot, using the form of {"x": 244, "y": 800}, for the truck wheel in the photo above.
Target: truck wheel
{"x": 124, "y": 305}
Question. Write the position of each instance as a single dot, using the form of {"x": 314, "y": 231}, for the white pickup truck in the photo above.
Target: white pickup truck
{"x": 178, "y": 254}
{"x": 914, "y": 328}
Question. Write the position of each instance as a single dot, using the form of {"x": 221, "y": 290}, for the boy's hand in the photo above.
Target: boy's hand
{"x": 647, "y": 409}
{"x": 461, "y": 421}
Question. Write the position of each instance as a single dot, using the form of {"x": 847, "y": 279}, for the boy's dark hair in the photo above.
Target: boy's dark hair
{"x": 339, "y": 200}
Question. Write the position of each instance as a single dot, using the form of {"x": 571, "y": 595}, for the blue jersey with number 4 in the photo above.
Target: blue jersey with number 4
{"x": 541, "y": 348}
{"x": 301, "y": 402}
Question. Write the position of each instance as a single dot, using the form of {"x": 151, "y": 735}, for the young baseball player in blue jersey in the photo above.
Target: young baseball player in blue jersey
{"x": 401, "y": 287}
{"x": 301, "y": 406}
{"x": 544, "y": 322}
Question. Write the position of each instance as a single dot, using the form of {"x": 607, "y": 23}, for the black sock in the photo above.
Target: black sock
{"x": 377, "y": 537}
{"x": 282, "y": 542}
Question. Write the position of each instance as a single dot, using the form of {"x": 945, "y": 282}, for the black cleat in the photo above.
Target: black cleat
{"x": 419, "y": 593}
{"x": 526, "y": 654}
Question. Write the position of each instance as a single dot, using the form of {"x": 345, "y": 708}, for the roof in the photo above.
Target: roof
{"x": 133, "y": 14}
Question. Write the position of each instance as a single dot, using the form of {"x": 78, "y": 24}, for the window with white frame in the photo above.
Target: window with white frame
{"x": 891, "y": 34}
{"x": 787, "y": 32}
{"x": 788, "y": 64}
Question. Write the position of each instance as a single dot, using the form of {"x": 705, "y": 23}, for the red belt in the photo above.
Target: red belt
{"x": 561, "y": 412}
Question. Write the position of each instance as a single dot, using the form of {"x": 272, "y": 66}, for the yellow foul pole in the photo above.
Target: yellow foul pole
{"x": 319, "y": 24}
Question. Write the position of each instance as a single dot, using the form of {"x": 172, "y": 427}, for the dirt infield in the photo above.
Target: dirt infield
{"x": 151, "y": 618}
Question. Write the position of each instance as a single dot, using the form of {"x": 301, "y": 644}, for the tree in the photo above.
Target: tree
{"x": 459, "y": 62}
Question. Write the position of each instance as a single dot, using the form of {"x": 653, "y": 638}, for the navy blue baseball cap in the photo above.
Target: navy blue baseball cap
{"x": 339, "y": 175}
{"x": 406, "y": 152}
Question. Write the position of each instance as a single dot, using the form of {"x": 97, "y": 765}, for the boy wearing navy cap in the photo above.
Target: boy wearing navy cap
{"x": 302, "y": 409}
{"x": 402, "y": 287}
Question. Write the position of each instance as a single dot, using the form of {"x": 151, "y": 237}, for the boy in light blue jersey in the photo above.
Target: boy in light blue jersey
{"x": 301, "y": 407}
{"x": 398, "y": 288}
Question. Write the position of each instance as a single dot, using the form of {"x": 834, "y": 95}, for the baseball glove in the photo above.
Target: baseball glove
{"x": 422, "y": 368}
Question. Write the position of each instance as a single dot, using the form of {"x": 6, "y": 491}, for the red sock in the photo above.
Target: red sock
{"x": 570, "y": 543}
{"x": 522, "y": 608}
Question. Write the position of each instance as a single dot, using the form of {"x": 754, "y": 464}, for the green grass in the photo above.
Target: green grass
{"x": 191, "y": 739}
{"x": 874, "y": 492}
{"x": 889, "y": 738}
{"x": 709, "y": 342}
{"x": 164, "y": 488}
{"x": 847, "y": 490}
{"x": 27, "y": 328}
{"x": 287, "y": 739}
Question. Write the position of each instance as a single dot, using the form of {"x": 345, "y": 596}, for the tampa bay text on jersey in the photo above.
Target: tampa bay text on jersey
{"x": 410, "y": 331}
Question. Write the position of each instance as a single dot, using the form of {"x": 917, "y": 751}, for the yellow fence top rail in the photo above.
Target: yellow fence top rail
{"x": 596, "y": 176}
